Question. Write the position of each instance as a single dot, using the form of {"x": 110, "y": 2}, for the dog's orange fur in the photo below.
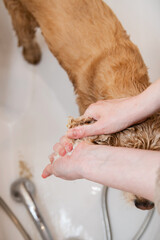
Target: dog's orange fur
{"x": 91, "y": 45}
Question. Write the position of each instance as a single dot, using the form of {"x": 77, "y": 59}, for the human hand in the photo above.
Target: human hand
{"x": 78, "y": 165}
{"x": 111, "y": 115}
{"x": 61, "y": 164}
{"x": 105, "y": 165}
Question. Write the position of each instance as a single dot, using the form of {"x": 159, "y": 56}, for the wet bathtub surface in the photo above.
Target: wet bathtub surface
{"x": 35, "y": 103}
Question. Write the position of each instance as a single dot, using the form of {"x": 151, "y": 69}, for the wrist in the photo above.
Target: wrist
{"x": 97, "y": 162}
{"x": 136, "y": 111}
{"x": 150, "y": 99}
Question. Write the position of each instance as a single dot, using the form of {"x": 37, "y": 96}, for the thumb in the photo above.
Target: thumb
{"x": 87, "y": 130}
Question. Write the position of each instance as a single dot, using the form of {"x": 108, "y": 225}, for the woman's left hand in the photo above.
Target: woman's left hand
{"x": 81, "y": 163}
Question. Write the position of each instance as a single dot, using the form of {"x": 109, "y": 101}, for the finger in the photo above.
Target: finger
{"x": 51, "y": 158}
{"x": 64, "y": 140}
{"x": 87, "y": 130}
{"x": 69, "y": 147}
{"x": 93, "y": 110}
{"x": 67, "y": 143}
{"x": 47, "y": 171}
{"x": 89, "y": 112}
{"x": 58, "y": 148}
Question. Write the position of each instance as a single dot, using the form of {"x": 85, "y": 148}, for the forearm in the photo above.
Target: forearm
{"x": 149, "y": 100}
{"x": 130, "y": 170}
{"x": 142, "y": 106}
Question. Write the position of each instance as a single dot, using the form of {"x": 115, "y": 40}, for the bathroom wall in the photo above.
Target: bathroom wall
{"x": 35, "y": 102}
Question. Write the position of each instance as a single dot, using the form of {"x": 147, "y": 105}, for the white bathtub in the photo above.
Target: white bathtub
{"x": 35, "y": 102}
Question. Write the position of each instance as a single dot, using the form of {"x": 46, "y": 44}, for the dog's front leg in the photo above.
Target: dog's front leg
{"x": 24, "y": 24}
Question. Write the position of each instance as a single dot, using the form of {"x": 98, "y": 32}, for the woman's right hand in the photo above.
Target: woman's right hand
{"x": 118, "y": 114}
{"x": 111, "y": 115}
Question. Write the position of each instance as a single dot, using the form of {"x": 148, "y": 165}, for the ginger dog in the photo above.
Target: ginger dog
{"x": 101, "y": 61}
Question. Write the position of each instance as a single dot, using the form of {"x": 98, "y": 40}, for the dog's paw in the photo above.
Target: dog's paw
{"x": 32, "y": 53}
{"x": 74, "y": 122}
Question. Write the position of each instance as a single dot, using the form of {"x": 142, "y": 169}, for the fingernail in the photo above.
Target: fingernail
{"x": 62, "y": 152}
{"x": 69, "y": 147}
{"x": 75, "y": 133}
